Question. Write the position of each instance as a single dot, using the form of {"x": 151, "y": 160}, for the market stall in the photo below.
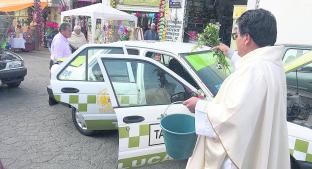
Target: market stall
{"x": 16, "y": 5}
{"x": 16, "y": 29}
{"x": 103, "y": 21}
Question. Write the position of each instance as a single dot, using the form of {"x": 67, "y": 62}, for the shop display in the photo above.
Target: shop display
{"x": 145, "y": 19}
{"x": 104, "y": 23}
{"x": 28, "y": 24}
{"x": 162, "y": 20}
{"x": 111, "y": 31}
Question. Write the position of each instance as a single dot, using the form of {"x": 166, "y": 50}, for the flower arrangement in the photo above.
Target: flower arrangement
{"x": 124, "y": 37}
{"x": 52, "y": 25}
{"x": 51, "y": 30}
{"x": 123, "y": 33}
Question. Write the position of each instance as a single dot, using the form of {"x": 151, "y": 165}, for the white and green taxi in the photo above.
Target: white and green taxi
{"x": 129, "y": 85}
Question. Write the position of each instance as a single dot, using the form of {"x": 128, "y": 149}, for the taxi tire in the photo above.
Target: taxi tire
{"x": 81, "y": 130}
{"x": 13, "y": 85}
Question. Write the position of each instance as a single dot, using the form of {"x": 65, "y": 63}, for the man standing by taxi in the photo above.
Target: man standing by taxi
{"x": 60, "y": 46}
{"x": 244, "y": 126}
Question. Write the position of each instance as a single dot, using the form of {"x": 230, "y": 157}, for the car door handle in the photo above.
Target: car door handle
{"x": 133, "y": 119}
{"x": 69, "y": 90}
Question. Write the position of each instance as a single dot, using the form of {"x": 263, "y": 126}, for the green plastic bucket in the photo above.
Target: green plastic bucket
{"x": 179, "y": 135}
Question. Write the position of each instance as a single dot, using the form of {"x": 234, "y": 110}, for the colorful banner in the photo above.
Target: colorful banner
{"x": 140, "y": 2}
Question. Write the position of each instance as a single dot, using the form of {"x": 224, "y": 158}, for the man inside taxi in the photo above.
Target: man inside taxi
{"x": 244, "y": 126}
{"x": 60, "y": 46}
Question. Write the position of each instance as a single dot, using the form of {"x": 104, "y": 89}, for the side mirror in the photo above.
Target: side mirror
{"x": 177, "y": 97}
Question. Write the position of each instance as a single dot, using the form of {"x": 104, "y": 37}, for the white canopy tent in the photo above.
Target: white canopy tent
{"x": 99, "y": 11}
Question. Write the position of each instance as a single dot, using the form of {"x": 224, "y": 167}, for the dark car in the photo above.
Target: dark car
{"x": 12, "y": 68}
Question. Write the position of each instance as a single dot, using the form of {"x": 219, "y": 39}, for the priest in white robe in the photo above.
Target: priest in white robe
{"x": 244, "y": 126}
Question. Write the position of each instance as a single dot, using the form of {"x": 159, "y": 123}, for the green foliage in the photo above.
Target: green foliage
{"x": 210, "y": 37}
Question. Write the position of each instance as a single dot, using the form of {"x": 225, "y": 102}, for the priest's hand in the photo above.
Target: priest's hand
{"x": 191, "y": 103}
{"x": 225, "y": 49}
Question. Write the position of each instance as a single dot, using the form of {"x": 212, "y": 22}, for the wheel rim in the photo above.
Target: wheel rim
{"x": 81, "y": 123}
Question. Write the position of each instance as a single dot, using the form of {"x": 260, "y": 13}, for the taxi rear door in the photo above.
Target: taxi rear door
{"x": 151, "y": 90}
{"x": 80, "y": 83}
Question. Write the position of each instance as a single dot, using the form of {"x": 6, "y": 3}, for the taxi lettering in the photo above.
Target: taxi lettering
{"x": 142, "y": 161}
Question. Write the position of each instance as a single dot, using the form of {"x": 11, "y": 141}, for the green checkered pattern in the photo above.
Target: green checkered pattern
{"x": 125, "y": 100}
{"x": 81, "y": 102}
{"x": 134, "y": 137}
{"x": 300, "y": 149}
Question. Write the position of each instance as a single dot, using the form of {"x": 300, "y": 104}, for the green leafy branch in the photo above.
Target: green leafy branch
{"x": 210, "y": 37}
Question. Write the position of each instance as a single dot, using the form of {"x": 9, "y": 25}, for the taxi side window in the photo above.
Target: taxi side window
{"x": 173, "y": 65}
{"x": 95, "y": 73}
{"x": 133, "y": 51}
{"x": 156, "y": 56}
{"x": 118, "y": 71}
{"x": 152, "y": 85}
{"x": 84, "y": 66}
{"x": 76, "y": 70}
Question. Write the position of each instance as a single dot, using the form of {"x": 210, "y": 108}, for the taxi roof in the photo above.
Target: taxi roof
{"x": 172, "y": 47}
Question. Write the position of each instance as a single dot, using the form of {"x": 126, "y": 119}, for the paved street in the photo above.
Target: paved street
{"x": 35, "y": 135}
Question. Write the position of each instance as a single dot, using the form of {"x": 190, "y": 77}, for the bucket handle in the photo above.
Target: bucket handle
{"x": 165, "y": 112}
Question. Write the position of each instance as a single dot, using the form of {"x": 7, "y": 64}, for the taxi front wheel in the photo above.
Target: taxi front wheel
{"x": 80, "y": 123}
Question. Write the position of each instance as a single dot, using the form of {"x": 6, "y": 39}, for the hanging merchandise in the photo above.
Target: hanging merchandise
{"x": 161, "y": 22}
{"x": 123, "y": 33}
{"x": 167, "y": 17}
{"x": 110, "y": 30}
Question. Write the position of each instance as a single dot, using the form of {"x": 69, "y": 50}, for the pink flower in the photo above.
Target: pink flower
{"x": 53, "y": 25}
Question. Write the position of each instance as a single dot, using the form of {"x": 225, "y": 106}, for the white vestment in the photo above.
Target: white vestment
{"x": 247, "y": 117}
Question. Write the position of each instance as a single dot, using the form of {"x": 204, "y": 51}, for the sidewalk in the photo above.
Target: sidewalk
{"x": 42, "y": 52}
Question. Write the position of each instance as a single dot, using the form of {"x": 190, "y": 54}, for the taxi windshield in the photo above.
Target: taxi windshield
{"x": 207, "y": 69}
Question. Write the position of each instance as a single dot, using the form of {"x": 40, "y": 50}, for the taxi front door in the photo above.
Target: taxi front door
{"x": 151, "y": 90}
